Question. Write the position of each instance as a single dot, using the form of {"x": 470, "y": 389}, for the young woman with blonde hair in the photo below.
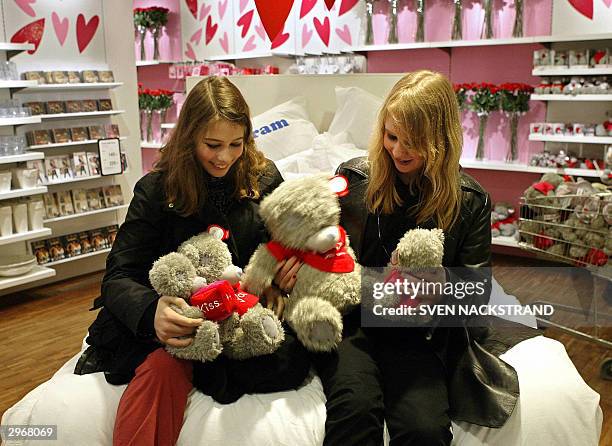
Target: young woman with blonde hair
{"x": 209, "y": 173}
{"x": 415, "y": 379}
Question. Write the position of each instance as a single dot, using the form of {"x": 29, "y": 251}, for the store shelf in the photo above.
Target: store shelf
{"x": 19, "y": 121}
{"x": 503, "y": 240}
{"x": 23, "y": 192}
{"x": 483, "y": 42}
{"x": 147, "y": 63}
{"x": 572, "y": 139}
{"x": 168, "y": 125}
{"x": 17, "y": 84}
{"x": 150, "y": 145}
{"x": 25, "y": 236}
{"x": 37, "y": 88}
{"x": 37, "y": 273}
{"x": 509, "y": 167}
{"x": 12, "y": 49}
{"x": 75, "y": 180}
{"x": 82, "y": 256}
{"x": 68, "y": 144}
{"x": 95, "y": 114}
{"x": 242, "y": 56}
{"x": 20, "y": 158}
{"x": 569, "y": 97}
{"x": 560, "y": 71}
{"x": 85, "y": 214}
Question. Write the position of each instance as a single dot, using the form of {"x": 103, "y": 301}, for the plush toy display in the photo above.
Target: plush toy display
{"x": 202, "y": 273}
{"x": 302, "y": 216}
{"x": 503, "y": 220}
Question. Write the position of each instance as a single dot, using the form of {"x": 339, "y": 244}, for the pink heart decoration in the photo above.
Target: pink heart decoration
{"x": 24, "y": 5}
{"x": 306, "y": 7}
{"x": 204, "y": 11}
{"x": 346, "y": 6}
{"x": 280, "y": 39}
{"x": 607, "y": 3}
{"x": 345, "y": 34}
{"x": 273, "y": 15}
{"x": 329, "y": 4}
{"x": 85, "y": 31}
{"x": 211, "y": 29}
{"x": 306, "y": 35}
{"x": 224, "y": 43}
{"x": 323, "y": 29}
{"x": 196, "y": 37}
{"x": 243, "y": 4}
{"x": 245, "y": 22}
{"x": 584, "y": 7}
{"x": 261, "y": 32}
{"x": 60, "y": 27}
{"x": 222, "y": 8}
{"x": 190, "y": 53}
{"x": 249, "y": 45}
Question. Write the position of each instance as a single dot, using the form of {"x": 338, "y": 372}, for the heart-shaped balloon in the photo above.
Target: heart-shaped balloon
{"x": 273, "y": 15}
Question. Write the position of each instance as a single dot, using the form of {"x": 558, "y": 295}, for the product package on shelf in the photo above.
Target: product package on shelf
{"x": 113, "y": 196}
{"x": 89, "y": 105}
{"x": 111, "y": 130}
{"x": 55, "y": 107}
{"x": 36, "y": 108}
{"x": 95, "y": 199}
{"x": 64, "y": 203}
{"x": 95, "y": 132}
{"x": 80, "y": 165}
{"x": 79, "y": 133}
{"x": 93, "y": 161}
{"x": 56, "y": 249}
{"x": 58, "y": 168}
{"x": 90, "y": 76}
{"x": 41, "y": 251}
{"x": 79, "y": 200}
{"x": 39, "y": 165}
{"x": 61, "y": 136}
{"x": 73, "y": 246}
{"x": 74, "y": 106}
{"x": 568, "y": 220}
{"x": 105, "y": 105}
{"x": 51, "y": 209}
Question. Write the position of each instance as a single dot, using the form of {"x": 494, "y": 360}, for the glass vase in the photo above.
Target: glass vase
{"x": 420, "y": 31}
{"x": 143, "y": 127}
{"x": 369, "y": 37}
{"x": 517, "y": 31}
{"x": 487, "y": 31}
{"x": 483, "y": 118}
{"x": 392, "y": 22}
{"x": 142, "y": 33}
{"x": 512, "y": 155}
{"x": 148, "y": 124}
{"x": 156, "y": 32}
{"x": 457, "y": 29}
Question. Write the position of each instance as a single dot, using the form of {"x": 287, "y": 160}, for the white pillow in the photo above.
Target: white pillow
{"x": 356, "y": 115}
{"x": 284, "y": 130}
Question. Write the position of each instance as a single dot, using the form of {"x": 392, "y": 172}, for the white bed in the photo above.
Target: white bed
{"x": 555, "y": 407}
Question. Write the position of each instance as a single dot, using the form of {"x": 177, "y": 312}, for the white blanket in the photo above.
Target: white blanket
{"x": 556, "y": 407}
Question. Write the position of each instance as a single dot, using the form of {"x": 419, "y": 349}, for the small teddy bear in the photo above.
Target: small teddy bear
{"x": 302, "y": 217}
{"x": 202, "y": 273}
{"x": 503, "y": 220}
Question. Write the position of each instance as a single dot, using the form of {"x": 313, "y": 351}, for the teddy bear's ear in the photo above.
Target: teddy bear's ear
{"x": 218, "y": 232}
{"x": 191, "y": 252}
{"x": 339, "y": 185}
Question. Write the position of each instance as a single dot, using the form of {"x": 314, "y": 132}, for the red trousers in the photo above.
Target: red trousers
{"x": 151, "y": 409}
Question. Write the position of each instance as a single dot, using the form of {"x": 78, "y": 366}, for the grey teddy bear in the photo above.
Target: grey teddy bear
{"x": 303, "y": 216}
{"x": 199, "y": 261}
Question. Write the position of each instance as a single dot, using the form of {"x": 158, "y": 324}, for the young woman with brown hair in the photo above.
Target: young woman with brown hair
{"x": 209, "y": 173}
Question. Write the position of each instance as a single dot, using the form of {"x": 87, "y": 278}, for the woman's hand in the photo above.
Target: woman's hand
{"x": 286, "y": 274}
{"x": 275, "y": 300}
{"x": 170, "y": 326}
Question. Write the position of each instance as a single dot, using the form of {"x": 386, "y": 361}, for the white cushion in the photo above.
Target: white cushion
{"x": 284, "y": 130}
{"x": 356, "y": 115}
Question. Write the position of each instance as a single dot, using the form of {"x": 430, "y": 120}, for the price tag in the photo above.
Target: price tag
{"x": 110, "y": 156}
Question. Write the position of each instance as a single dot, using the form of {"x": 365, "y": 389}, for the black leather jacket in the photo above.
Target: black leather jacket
{"x": 483, "y": 389}
{"x": 123, "y": 334}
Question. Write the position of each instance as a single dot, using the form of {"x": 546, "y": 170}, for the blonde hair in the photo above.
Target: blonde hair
{"x": 424, "y": 109}
{"x": 184, "y": 180}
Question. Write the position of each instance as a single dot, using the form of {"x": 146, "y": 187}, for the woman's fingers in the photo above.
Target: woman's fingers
{"x": 286, "y": 276}
{"x": 175, "y": 342}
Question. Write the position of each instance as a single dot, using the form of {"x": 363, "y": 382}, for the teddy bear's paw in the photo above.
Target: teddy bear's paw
{"x": 318, "y": 324}
{"x": 206, "y": 344}
{"x": 190, "y": 312}
{"x": 262, "y": 328}
{"x": 228, "y": 327}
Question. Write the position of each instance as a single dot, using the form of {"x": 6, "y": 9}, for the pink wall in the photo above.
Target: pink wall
{"x": 439, "y": 16}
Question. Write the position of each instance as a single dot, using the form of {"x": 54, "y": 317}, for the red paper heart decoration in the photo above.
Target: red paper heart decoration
{"x": 346, "y": 6}
{"x": 323, "y": 29}
{"x": 245, "y": 22}
{"x": 210, "y": 29}
{"x": 306, "y": 7}
{"x": 31, "y": 33}
{"x": 193, "y": 7}
{"x": 273, "y": 15}
{"x": 279, "y": 40}
{"x": 329, "y": 4}
{"x": 584, "y": 7}
{"x": 86, "y": 30}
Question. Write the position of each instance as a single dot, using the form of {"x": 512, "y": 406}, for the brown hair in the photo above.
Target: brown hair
{"x": 184, "y": 178}
{"x": 425, "y": 111}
